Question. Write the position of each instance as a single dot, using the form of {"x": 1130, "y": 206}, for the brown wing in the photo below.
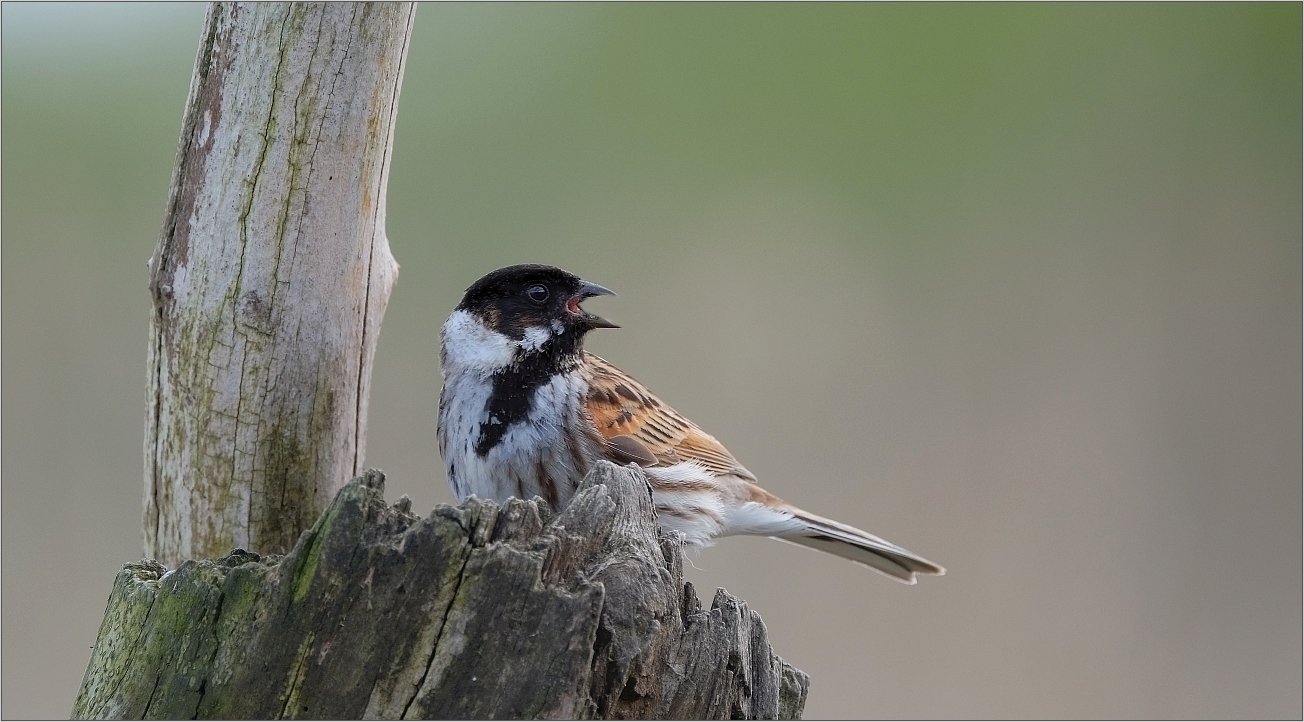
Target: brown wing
{"x": 639, "y": 427}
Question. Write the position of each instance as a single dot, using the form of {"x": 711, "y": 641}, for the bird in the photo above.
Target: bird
{"x": 525, "y": 411}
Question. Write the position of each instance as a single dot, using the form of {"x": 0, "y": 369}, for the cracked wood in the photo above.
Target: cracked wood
{"x": 475, "y": 612}
{"x": 271, "y": 274}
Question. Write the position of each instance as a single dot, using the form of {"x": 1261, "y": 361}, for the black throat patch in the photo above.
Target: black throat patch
{"x": 512, "y": 397}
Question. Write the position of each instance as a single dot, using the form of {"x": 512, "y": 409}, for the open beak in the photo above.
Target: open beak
{"x": 589, "y": 290}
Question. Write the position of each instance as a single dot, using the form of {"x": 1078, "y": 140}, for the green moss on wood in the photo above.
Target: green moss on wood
{"x": 473, "y": 612}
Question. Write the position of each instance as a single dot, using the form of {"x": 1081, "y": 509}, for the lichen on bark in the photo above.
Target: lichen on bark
{"x": 477, "y": 611}
{"x": 271, "y": 274}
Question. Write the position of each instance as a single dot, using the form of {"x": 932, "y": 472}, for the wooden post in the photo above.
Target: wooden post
{"x": 476, "y": 612}
{"x": 271, "y": 274}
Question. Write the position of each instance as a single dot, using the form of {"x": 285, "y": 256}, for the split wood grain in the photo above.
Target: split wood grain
{"x": 475, "y": 612}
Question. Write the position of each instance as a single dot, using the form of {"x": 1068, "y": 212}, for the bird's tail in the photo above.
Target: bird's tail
{"x": 859, "y": 546}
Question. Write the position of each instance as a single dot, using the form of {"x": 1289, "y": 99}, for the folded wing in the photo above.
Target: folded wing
{"x": 638, "y": 427}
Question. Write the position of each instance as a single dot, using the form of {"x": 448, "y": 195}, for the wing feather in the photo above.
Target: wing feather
{"x": 620, "y": 406}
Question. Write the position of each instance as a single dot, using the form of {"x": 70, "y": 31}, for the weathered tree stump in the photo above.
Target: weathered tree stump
{"x": 477, "y": 611}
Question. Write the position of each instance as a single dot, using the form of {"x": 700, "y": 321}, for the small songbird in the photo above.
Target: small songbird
{"x": 526, "y": 411}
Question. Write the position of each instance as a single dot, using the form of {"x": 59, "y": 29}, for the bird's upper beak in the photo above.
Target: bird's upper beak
{"x": 589, "y": 290}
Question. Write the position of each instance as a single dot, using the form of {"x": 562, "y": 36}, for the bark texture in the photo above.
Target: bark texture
{"x": 271, "y": 274}
{"x": 477, "y": 611}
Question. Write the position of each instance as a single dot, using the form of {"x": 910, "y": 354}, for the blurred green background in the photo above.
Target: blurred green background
{"x": 1015, "y": 286}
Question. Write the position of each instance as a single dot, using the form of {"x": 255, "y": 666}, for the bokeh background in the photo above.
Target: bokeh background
{"x": 1015, "y": 286}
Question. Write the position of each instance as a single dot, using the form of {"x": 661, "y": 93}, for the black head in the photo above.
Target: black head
{"x": 514, "y": 299}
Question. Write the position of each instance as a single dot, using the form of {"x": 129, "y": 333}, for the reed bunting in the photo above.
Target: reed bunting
{"x": 525, "y": 411}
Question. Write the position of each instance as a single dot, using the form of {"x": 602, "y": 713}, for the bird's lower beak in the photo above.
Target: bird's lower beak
{"x": 595, "y": 321}
{"x": 589, "y": 290}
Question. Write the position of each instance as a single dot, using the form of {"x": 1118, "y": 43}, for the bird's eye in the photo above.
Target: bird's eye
{"x": 537, "y": 293}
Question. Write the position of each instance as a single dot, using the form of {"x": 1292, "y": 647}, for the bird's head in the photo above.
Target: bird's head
{"x": 532, "y": 308}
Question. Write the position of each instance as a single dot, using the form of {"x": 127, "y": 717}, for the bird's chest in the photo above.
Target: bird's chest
{"x": 500, "y": 438}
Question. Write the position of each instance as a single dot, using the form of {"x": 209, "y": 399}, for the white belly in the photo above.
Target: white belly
{"x": 536, "y": 456}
